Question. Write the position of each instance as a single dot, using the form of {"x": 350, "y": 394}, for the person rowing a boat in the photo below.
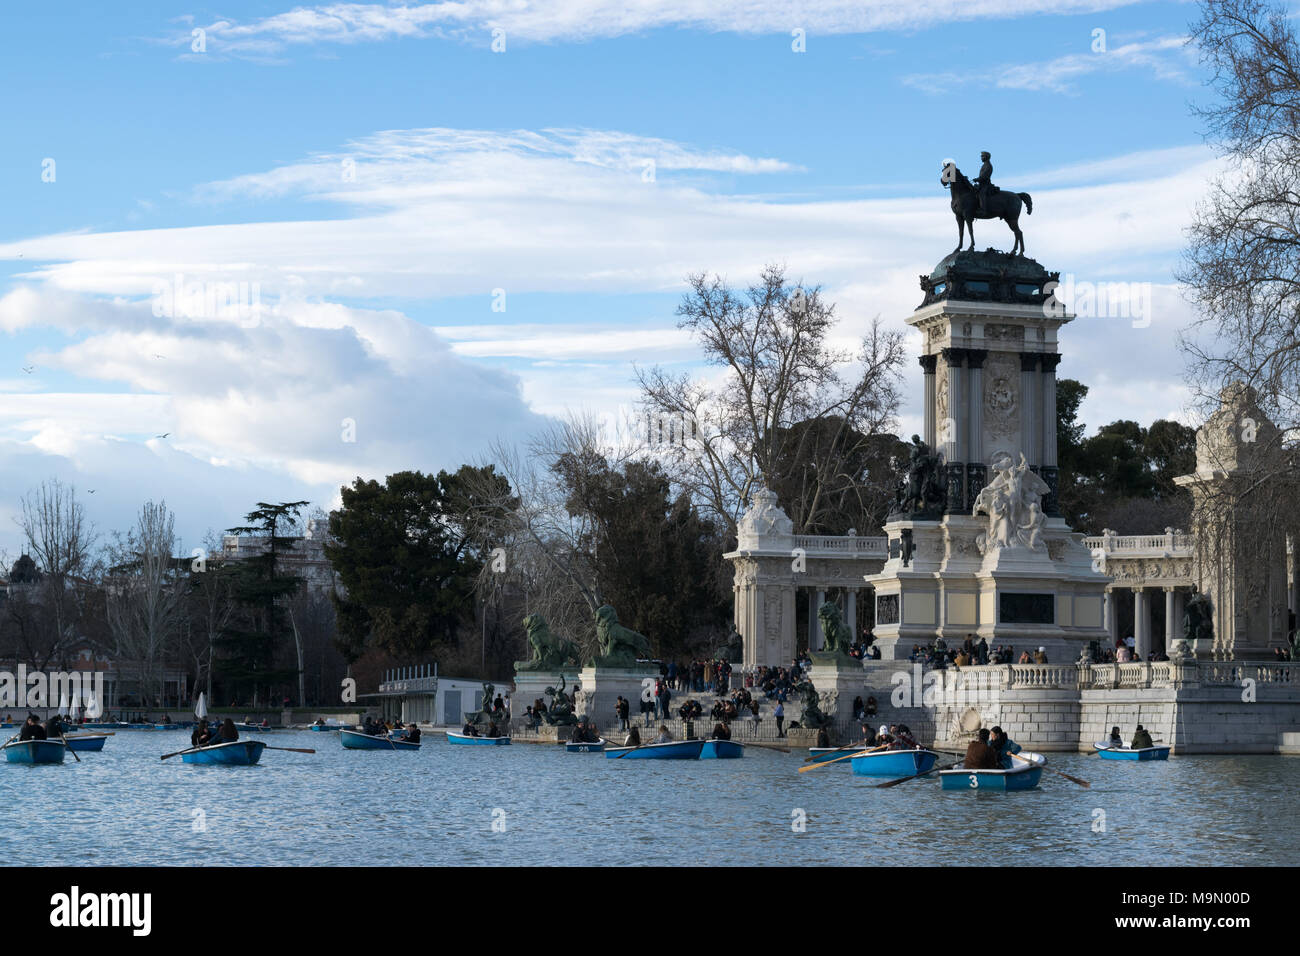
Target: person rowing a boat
{"x": 54, "y": 727}
{"x": 664, "y": 736}
{"x": 1115, "y": 739}
{"x": 1004, "y": 747}
{"x": 469, "y": 730}
{"x": 721, "y": 731}
{"x": 979, "y": 755}
{"x": 227, "y": 733}
{"x": 903, "y": 740}
{"x": 32, "y": 729}
{"x": 201, "y": 735}
{"x": 412, "y": 734}
{"x": 633, "y": 738}
{"x": 1141, "y": 739}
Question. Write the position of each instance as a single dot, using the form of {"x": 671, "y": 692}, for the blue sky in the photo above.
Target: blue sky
{"x": 378, "y": 171}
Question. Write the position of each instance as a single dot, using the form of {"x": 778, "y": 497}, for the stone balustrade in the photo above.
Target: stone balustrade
{"x": 864, "y": 547}
{"x": 1170, "y": 544}
{"x": 1134, "y": 675}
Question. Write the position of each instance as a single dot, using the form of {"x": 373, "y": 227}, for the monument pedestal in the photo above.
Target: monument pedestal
{"x": 838, "y": 679}
{"x": 530, "y": 685}
{"x": 602, "y": 686}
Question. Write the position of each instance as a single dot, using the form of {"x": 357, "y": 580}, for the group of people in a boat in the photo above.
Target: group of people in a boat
{"x": 210, "y": 735}
{"x": 471, "y": 730}
{"x": 376, "y": 727}
{"x": 990, "y": 750}
{"x": 33, "y": 729}
{"x": 1141, "y": 738}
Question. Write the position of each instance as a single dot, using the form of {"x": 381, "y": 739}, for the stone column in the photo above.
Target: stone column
{"x": 1171, "y": 617}
{"x": 928, "y": 363}
{"x": 1109, "y": 618}
{"x": 821, "y": 638}
{"x": 976, "y": 466}
{"x": 1030, "y": 404}
{"x": 1141, "y": 623}
{"x": 975, "y": 402}
{"x": 1048, "y": 421}
{"x": 812, "y": 620}
{"x": 955, "y": 450}
{"x": 851, "y": 612}
{"x": 1048, "y": 471}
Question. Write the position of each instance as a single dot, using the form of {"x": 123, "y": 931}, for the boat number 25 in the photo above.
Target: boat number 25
{"x": 974, "y": 781}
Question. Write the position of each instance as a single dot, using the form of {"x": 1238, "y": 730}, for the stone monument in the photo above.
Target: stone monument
{"x": 620, "y": 668}
{"x": 552, "y": 654}
{"x": 1240, "y": 558}
{"x": 977, "y": 545}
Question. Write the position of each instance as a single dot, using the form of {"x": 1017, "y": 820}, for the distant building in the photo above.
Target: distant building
{"x": 305, "y": 556}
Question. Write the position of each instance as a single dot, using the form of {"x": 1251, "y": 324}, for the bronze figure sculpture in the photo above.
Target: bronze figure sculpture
{"x": 983, "y": 200}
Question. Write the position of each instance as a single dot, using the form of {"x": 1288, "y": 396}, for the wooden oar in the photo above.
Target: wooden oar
{"x": 895, "y": 783}
{"x": 1083, "y": 783}
{"x": 65, "y": 744}
{"x": 815, "y": 756}
{"x": 296, "y": 750}
{"x": 187, "y": 750}
{"x": 827, "y": 763}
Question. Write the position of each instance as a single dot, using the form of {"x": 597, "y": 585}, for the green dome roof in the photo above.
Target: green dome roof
{"x": 988, "y": 276}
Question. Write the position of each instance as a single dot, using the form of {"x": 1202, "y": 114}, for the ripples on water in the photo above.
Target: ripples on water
{"x": 436, "y": 806}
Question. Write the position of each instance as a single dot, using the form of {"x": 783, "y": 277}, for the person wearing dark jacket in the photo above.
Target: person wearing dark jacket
{"x": 979, "y": 755}
{"x": 412, "y": 734}
{"x": 721, "y": 731}
{"x": 227, "y": 733}
{"x": 32, "y": 729}
{"x": 200, "y": 735}
{"x": 1141, "y": 739}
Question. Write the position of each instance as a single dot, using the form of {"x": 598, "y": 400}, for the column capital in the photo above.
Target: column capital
{"x": 1050, "y": 361}
{"x": 928, "y": 363}
{"x": 954, "y": 357}
{"x": 975, "y": 357}
{"x": 1029, "y": 361}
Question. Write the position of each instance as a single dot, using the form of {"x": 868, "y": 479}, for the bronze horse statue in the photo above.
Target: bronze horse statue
{"x": 1000, "y": 205}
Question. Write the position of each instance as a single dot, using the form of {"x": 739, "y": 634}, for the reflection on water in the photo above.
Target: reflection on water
{"x": 439, "y": 806}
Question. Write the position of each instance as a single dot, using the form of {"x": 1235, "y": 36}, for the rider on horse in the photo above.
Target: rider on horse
{"x": 984, "y": 183}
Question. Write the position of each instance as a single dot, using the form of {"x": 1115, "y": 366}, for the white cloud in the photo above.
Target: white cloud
{"x": 1166, "y": 58}
{"x": 581, "y": 20}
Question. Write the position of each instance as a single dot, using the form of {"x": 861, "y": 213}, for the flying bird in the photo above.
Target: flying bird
{"x": 29, "y": 369}
{"x": 163, "y": 435}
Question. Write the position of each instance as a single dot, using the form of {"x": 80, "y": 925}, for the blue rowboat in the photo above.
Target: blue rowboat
{"x": 35, "y": 751}
{"x": 894, "y": 763}
{"x": 673, "y": 750}
{"x": 355, "y": 740}
{"x": 254, "y": 728}
{"x": 1023, "y": 775}
{"x": 455, "y": 738}
{"x": 240, "y": 753}
{"x": 83, "y": 743}
{"x": 1108, "y": 751}
{"x": 722, "y": 750}
{"x": 584, "y": 746}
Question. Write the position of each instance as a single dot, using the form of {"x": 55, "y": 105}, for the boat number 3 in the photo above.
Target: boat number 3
{"x": 974, "y": 781}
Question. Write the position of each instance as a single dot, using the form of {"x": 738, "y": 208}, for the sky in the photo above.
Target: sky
{"x": 252, "y": 253}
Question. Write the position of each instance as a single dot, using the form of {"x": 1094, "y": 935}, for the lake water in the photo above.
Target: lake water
{"x": 439, "y": 806}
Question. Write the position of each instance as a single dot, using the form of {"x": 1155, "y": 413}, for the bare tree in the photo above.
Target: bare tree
{"x": 211, "y": 605}
{"x": 789, "y": 409}
{"x": 1242, "y": 265}
{"x": 144, "y": 593}
{"x": 59, "y": 539}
